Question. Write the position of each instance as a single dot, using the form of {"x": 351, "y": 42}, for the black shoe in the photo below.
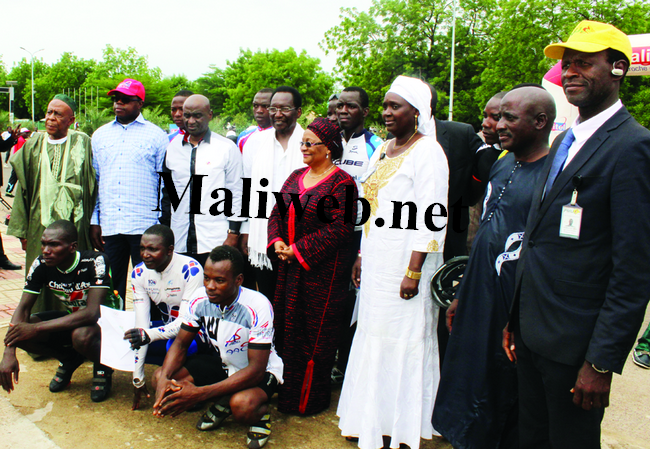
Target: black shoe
{"x": 7, "y": 264}
{"x": 64, "y": 373}
{"x": 102, "y": 382}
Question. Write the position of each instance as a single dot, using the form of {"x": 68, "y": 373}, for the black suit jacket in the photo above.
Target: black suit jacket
{"x": 459, "y": 142}
{"x": 585, "y": 299}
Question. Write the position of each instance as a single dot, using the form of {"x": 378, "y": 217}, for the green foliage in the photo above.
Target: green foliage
{"x": 213, "y": 86}
{"x": 22, "y": 73}
{"x": 231, "y": 90}
{"x": 156, "y": 116}
{"x": 81, "y": 79}
{"x": 4, "y": 121}
{"x": 94, "y": 119}
{"x": 499, "y": 43}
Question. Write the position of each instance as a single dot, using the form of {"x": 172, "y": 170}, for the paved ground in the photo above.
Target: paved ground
{"x": 34, "y": 418}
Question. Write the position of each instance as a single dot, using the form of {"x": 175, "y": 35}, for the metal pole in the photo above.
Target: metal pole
{"x": 11, "y": 104}
{"x": 32, "y": 56}
{"x": 453, "y": 56}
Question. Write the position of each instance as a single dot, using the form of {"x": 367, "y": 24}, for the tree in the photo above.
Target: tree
{"x": 521, "y": 30}
{"x": 22, "y": 73}
{"x": 213, "y": 86}
{"x": 238, "y": 83}
{"x": 127, "y": 63}
{"x": 407, "y": 37}
{"x": 67, "y": 75}
{"x": 499, "y": 43}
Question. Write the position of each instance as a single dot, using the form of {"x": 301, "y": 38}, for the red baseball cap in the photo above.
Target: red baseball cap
{"x": 130, "y": 87}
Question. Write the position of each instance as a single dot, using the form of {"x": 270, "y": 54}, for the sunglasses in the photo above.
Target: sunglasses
{"x": 308, "y": 145}
{"x": 124, "y": 100}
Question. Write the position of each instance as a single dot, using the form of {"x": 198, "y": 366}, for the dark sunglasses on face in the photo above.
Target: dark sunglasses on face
{"x": 123, "y": 99}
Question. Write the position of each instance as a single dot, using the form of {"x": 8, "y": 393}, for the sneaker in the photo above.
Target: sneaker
{"x": 213, "y": 417}
{"x": 64, "y": 373}
{"x": 102, "y": 382}
{"x": 642, "y": 358}
{"x": 259, "y": 433}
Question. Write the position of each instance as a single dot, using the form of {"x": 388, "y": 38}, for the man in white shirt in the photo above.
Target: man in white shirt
{"x": 201, "y": 206}
{"x": 167, "y": 280}
{"x": 269, "y": 158}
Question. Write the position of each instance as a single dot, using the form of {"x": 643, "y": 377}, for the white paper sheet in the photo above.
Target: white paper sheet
{"x": 116, "y": 352}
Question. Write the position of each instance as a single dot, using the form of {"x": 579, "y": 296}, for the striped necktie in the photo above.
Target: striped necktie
{"x": 560, "y": 159}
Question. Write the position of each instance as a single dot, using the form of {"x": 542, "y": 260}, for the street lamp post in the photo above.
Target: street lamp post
{"x": 32, "y": 55}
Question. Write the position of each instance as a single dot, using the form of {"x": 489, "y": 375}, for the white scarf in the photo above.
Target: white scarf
{"x": 418, "y": 95}
{"x": 263, "y": 168}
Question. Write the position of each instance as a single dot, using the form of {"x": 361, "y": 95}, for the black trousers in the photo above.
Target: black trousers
{"x": 119, "y": 249}
{"x": 547, "y": 416}
{"x": 267, "y": 280}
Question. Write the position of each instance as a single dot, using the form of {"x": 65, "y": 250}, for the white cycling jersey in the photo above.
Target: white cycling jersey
{"x": 171, "y": 291}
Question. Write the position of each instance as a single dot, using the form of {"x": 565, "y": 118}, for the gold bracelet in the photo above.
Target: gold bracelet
{"x": 415, "y": 275}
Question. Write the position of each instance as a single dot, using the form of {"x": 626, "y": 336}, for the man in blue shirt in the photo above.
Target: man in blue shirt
{"x": 128, "y": 153}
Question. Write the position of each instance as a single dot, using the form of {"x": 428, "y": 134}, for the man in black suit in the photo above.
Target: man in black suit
{"x": 584, "y": 272}
{"x": 460, "y": 144}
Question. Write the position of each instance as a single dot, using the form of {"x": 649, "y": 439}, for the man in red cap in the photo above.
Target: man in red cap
{"x": 583, "y": 276}
{"x": 128, "y": 153}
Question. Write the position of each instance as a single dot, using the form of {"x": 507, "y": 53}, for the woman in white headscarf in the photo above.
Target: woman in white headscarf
{"x": 392, "y": 376}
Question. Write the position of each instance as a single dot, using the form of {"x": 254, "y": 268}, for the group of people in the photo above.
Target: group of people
{"x": 325, "y": 240}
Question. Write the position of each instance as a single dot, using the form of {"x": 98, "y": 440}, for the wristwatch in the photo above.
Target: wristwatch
{"x": 231, "y": 231}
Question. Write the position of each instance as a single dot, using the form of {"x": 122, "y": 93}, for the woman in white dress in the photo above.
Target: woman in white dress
{"x": 392, "y": 376}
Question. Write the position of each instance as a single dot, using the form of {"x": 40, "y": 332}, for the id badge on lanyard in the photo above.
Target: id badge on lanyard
{"x": 571, "y": 218}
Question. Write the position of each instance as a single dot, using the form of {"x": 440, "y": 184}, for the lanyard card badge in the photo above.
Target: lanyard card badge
{"x": 572, "y": 214}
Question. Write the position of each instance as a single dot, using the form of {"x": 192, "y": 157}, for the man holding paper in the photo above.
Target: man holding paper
{"x": 168, "y": 280}
{"x": 81, "y": 280}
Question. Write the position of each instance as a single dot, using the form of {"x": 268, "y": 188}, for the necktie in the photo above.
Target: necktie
{"x": 560, "y": 159}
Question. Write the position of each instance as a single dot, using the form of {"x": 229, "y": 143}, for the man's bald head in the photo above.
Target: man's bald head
{"x": 197, "y": 115}
{"x": 197, "y": 101}
{"x": 527, "y": 116}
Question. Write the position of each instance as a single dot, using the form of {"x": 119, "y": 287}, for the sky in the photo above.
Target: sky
{"x": 181, "y": 37}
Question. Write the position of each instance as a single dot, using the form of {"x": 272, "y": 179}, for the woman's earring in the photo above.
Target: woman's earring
{"x": 327, "y": 156}
{"x": 416, "y": 123}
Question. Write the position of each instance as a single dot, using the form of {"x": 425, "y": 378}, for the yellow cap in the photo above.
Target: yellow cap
{"x": 592, "y": 37}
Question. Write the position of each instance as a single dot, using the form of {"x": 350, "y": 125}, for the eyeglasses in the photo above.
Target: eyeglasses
{"x": 284, "y": 109}
{"x": 124, "y": 100}
{"x": 308, "y": 145}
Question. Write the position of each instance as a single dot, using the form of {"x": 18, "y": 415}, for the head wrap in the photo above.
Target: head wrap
{"x": 418, "y": 95}
{"x": 330, "y": 134}
{"x": 67, "y": 100}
